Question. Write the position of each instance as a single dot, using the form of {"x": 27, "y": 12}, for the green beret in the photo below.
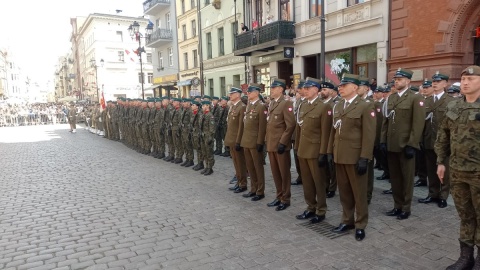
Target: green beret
{"x": 439, "y": 77}
{"x": 207, "y": 96}
{"x": 197, "y": 97}
{"x": 177, "y": 99}
{"x": 206, "y": 102}
{"x": 278, "y": 82}
{"x": 414, "y": 88}
{"x": 350, "y": 78}
{"x": 187, "y": 100}
{"x": 225, "y": 98}
{"x": 403, "y": 73}
{"x": 196, "y": 103}
{"x": 215, "y": 98}
{"x": 165, "y": 97}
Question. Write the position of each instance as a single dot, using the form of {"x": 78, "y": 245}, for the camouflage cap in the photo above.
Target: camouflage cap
{"x": 471, "y": 70}
{"x": 403, "y": 73}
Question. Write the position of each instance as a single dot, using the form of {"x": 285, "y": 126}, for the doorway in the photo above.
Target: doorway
{"x": 310, "y": 66}
{"x": 285, "y": 71}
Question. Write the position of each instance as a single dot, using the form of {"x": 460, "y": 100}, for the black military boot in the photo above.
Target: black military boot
{"x": 217, "y": 152}
{"x": 208, "y": 172}
{"x": 199, "y": 167}
{"x": 184, "y": 163}
{"x": 189, "y": 163}
{"x": 477, "y": 260}
{"x": 466, "y": 261}
{"x": 160, "y": 156}
{"x": 204, "y": 171}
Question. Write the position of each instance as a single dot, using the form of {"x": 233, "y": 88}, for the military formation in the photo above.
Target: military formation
{"x": 338, "y": 135}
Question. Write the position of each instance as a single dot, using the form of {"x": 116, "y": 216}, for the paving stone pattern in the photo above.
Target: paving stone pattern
{"x": 79, "y": 201}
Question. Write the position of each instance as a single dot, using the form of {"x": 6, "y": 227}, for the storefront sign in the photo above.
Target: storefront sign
{"x": 193, "y": 73}
{"x": 267, "y": 59}
{"x": 184, "y": 83}
{"x": 166, "y": 78}
{"x": 224, "y": 61}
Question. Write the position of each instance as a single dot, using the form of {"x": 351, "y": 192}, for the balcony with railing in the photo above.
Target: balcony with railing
{"x": 159, "y": 37}
{"x": 152, "y": 7}
{"x": 265, "y": 38}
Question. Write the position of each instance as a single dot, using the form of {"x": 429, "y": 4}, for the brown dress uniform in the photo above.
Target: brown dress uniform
{"x": 315, "y": 121}
{"x": 296, "y": 136}
{"x": 354, "y": 139}
{"x": 255, "y": 121}
{"x": 403, "y": 127}
{"x": 331, "y": 174}
{"x": 435, "y": 111}
{"x": 280, "y": 126}
{"x": 233, "y": 137}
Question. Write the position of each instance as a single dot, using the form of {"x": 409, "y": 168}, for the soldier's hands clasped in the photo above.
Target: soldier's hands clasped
{"x": 362, "y": 166}
{"x": 322, "y": 161}
{"x": 409, "y": 152}
{"x": 281, "y": 149}
{"x": 259, "y": 148}
{"x": 238, "y": 147}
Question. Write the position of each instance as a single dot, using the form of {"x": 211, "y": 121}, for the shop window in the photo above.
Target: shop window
{"x": 366, "y": 61}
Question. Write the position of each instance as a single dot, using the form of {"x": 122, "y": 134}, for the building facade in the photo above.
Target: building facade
{"x": 164, "y": 45}
{"x": 107, "y": 59}
{"x": 220, "y": 25}
{"x": 3, "y": 73}
{"x": 442, "y": 42}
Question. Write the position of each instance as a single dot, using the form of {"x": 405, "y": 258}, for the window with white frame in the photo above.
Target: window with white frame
{"x": 150, "y": 77}
{"x": 149, "y": 57}
{"x": 194, "y": 28}
{"x": 121, "y": 56}
{"x": 170, "y": 56}
{"x": 195, "y": 58}
{"x": 354, "y": 2}
{"x": 167, "y": 20}
{"x": 185, "y": 61}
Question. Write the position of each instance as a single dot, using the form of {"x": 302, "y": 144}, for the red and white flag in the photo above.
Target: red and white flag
{"x": 130, "y": 55}
{"x": 102, "y": 102}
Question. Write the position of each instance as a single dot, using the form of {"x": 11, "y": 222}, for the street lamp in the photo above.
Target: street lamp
{"x": 93, "y": 64}
{"x": 134, "y": 30}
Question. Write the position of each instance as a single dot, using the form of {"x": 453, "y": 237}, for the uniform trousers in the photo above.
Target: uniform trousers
{"x": 187, "y": 146}
{"x": 353, "y": 195}
{"x": 197, "y": 146}
{"x": 177, "y": 141}
{"x": 465, "y": 190}
{"x": 370, "y": 175}
{"x": 254, "y": 160}
{"x": 402, "y": 174}
{"x": 238, "y": 158}
{"x": 297, "y": 163}
{"x": 314, "y": 184}
{"x": 435, "y": 188}
{"x": 280, "y": 165}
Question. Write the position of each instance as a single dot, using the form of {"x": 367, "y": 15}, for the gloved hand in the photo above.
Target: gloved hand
{"x": 322, "y": 161}
{"x": 422, "y": 146}
{"x": 259, "y": 148}
{"x": 409, "y": 152}
{"x": 383, "y": 148}
{"x": 330, "y": 160}
{"x": 281, "y": 149}
{"x": 238, "y": 147}
{"x": 362, "y": 166}
{"x": 210, "y": 142}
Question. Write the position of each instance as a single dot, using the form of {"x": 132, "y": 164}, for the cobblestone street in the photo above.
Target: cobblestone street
{"x": 79, "y": 201}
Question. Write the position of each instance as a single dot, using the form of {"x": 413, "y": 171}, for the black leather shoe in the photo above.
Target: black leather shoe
{"x": 200, "y": 167}
{"x": 257, "y": 197}
{"x": 388, "y": 191}
{"x": 383, "y": 177}
{"x": 343, "y": 228}
{"x": 240, "y": 190}
{"x": 209, "y": 171}
{"x": 420, "y": 183}
{"x": 234, "y": 180}
{"x": 274, "y": 203}
{"x": 317, "y": 219}
{"x": 359, "y": 234}
{"x": 427, "y": 200}
{"x": 305, "y": 215}
{"x": 393, "y": 212}
{"x": 217, "y": 152}
{"x": 403, "y": 215}
{"x": 189, "y": 163}
{"x": 297, "y": 182}
{"x": 226, "y": 154}
{"x": 178, "y": 161}
{"x": 282, "y": 206}
{"x": 442, "y": 203}
{"x": 330, "y": 194}
{"x": 249, "y": 194}
{"x": 234, "y": 187}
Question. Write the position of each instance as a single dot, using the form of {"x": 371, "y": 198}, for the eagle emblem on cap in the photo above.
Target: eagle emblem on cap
{"x": 399, "y": 69}
{"x": 437, "y": 73}
{"x": 470, "y": 70}
{"x": 426, "y": 79}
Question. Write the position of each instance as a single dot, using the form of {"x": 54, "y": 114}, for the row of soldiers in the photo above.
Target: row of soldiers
{"x": 168, "y": 128}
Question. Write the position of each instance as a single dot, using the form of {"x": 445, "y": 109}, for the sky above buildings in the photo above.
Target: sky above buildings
{"x": 38, "y": 32}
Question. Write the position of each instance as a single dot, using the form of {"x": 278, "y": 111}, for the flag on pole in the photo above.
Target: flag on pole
{"x": 102, "y": 102}
{"x": 129, "y": 55}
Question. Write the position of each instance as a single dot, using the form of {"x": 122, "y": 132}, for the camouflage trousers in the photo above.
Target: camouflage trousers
{"x": 171, "y": 145}
{"x": 146, "y": 142}
{"x": 198, "y": 147}
{"x": 187, "y": 145}
{"x": 465, "y": 190}
{"x": 207, "y": 150}
{"x": 177, "y": 141}
{"x": 219, "y": 139}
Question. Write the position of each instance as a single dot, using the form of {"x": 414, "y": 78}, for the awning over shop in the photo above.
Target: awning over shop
{"x": 152, "y": 87}
{"x": 184, "y": 83}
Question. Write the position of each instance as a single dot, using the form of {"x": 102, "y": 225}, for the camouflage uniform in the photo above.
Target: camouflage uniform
{"x": 217, "y": 113}
{"x": 176, "y": 134}
{"x": 169, "y": 137}
{"x": 458, "y": 137}
{"x": 186, "y": 136}
{"x": 207, "y": 127}
{"x": 195, "y": 134}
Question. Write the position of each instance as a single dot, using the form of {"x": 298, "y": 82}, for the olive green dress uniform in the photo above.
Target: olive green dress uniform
{"x": 280, "y": 127}
{"x": 151, "y": 124}
{"x": 233, "y": 138}
{"x": 458, "y": 140}
{"x": 403, "y": 127}
{"x": 196, "y": 133}
{"x": 355, "y": 127}
{"x": 379, "y": 116}
{"x": 255, "y": 121}
{"x": 296, "y": 135}
{"x": 186, "y": 134}
{"x": 103, "y": 115}
{"x": 315, "y": 122}
{"x": 207, "y": 128}
{"x": 331, "y": 175}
